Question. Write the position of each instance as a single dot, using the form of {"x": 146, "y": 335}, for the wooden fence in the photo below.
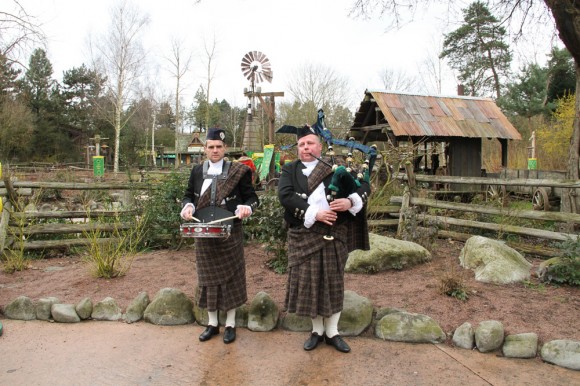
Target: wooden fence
{"x": 20, "y": 224}
{"x": 447, "y": 223}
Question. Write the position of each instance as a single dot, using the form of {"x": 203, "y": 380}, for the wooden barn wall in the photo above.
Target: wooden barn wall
{"x": 465, "y": 161}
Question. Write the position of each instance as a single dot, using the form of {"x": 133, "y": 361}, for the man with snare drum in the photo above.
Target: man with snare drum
{"x": 220, "y": 190}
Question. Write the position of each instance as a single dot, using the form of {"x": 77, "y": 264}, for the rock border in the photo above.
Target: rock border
{"x": 172, "y": 307}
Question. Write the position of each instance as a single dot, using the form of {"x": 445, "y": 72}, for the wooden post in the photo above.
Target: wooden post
{"x": 4, "y": 219}
{"x": 411, "y": 185}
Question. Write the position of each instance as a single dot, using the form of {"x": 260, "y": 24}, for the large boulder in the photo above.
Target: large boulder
{"x": 562, "y": 352}
{"x": 520, "y": 345}
{"x": 409, "y": 327}
{"x": 106, "y": 309}
{"x": 169, "y": 307}
{"x": 21, "y": 308}
{"x": 64, "y": 313}
{"x": 489, "y": 335}
{"x": 262, "y": 313}
{"x": 84, "y": 308}
{"x": 356, "y": 316}
{"x": 293, "y": 322}
{"x": 493, "y": 261}
{"x": 136, "y": 308}
{"x": 43, "y": 307}
{"x": 386, "y": 253}
{"x": 464, "y": 336}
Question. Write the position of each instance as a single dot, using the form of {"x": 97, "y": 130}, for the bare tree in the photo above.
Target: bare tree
{"x": 318, "y": 84}
{"x": 524, "y": 14}
{"x": 19, "y": 32}
{"x": 210, "y": 55}
{"x": 399, "y": 81}
{"x": 180, "y": 63}
{"x": 120, "y": 55}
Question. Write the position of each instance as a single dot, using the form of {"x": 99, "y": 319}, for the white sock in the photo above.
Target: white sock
{"x": 213, "y": 318}
{"x": 318, "y": 325}
{"x": 331, "y": 325}
{"x": 231, "y": 318}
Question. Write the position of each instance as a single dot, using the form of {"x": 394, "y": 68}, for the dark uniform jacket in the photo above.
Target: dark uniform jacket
{"x": 236, "y": 188}
{"x": 294, "y": 188}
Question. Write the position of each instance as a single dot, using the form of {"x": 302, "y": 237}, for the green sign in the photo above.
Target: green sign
{"x": 532, "y": 163}
{"x": 265, "y": 167}
{"x": 99, "y": 166}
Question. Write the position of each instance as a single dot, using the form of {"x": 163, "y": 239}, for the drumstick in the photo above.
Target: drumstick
{"x": 196, "y": 219}
{"x": 222, "y": 219}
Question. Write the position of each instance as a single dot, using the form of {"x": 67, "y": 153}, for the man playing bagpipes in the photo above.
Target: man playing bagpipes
{"x": 218, "y": 189}
{"x": 325, "y": 212}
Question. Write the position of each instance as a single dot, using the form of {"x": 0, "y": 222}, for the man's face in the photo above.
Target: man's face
{"x": 308, "y": 146}
{"x": 215, "y": 150}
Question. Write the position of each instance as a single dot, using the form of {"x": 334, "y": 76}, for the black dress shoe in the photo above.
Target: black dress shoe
{"x": 229, "y": 335}
{"x": 208, "y": 333}
{"x": 337, "y": 342}
{"x": 312, "y": 342}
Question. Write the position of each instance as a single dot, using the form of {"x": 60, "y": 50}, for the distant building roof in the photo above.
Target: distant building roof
{"x": 415, "y": 115}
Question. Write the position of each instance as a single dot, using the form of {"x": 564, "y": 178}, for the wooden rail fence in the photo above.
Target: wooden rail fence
{"x": 446, "y": 223}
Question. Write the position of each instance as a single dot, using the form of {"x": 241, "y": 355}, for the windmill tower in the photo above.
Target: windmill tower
{"x": 256, "y": 68}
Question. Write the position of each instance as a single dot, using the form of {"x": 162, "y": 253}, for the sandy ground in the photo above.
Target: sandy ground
{"x": 115, "y": 353}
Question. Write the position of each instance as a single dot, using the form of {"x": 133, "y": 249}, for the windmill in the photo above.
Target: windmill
{"x": 257, "y": 68}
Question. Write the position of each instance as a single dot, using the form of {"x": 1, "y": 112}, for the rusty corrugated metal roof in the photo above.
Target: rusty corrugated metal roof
{"x": 443, "y": 116}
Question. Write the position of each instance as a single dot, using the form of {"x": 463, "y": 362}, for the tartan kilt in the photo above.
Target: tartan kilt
{"x": 316, "y": 285}
{"x": 221, "y": 270}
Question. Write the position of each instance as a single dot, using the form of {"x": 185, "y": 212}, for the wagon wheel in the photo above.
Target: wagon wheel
{"x": 496, "y": 193}
{"x": 541, "y": 199}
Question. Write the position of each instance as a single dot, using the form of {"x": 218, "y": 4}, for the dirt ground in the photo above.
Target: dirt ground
{"x": 548, "y": 310}
{"x": 117, "y": 353}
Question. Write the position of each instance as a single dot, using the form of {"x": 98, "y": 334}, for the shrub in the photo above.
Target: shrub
{"x": 112, "y": 256}
{"x": 267, "y": 226}
{"x": 566, "y": 270}
{"x": 161, "y": 207}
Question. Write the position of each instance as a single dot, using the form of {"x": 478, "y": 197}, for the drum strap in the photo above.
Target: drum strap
{"x": 214, "y": 178}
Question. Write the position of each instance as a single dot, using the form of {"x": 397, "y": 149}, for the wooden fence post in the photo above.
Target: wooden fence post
{"x": 4, "y": 219}
{"x": 411, "y": 184}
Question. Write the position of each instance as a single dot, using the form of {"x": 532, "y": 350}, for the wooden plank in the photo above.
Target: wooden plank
{"x": 63, "y": 244}
{"x": 72, "y": 214}
{"x": 68, "y": 228}
{"x": 20, "y": 192}
{"x": 446, "y": 221}
{"x": 77, "y": 185}
{"x": 529, "y": 214}
{"x": 493, "y": 181}
{"x": 391, "y": 222}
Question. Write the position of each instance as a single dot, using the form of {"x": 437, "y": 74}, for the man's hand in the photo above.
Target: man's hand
{"x": 187, "y": 212}
{"x": 340, "y": 205}
{"x": 326, "y": 216}
{"x": 243, "y": 211}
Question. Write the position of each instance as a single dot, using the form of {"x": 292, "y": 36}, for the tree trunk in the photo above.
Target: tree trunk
{"x": 567, "y": 17}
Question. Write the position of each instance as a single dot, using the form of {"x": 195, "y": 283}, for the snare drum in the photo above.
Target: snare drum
{"x": 204, "y": 230}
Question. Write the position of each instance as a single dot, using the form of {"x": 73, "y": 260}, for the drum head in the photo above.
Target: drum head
{"x": 212, "y": 213}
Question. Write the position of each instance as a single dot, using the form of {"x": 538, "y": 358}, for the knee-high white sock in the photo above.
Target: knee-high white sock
{"x": 318, "y": 325}
{"x": 331, "y": 325}
{"x": 231, "y": 318}
{"x": 213, "y": 318}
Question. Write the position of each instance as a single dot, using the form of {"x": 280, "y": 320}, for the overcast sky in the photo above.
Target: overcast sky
{"x": 290, "y": 33}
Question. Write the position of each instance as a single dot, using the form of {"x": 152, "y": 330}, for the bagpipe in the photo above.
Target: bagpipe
{"x": 343, "y": 182}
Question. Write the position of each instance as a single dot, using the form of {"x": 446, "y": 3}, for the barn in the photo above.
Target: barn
{"x": 448, "y": 130}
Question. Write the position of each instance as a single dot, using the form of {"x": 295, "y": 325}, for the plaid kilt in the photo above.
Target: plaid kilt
{"x": 221, "y": 271}
{"x": 316, "y": 274}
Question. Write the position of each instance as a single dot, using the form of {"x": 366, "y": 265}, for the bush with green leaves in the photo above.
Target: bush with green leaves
{"x": 161, "y": 206}
{"x": 566, "y": 270}
{"x": 266, "y": 225}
